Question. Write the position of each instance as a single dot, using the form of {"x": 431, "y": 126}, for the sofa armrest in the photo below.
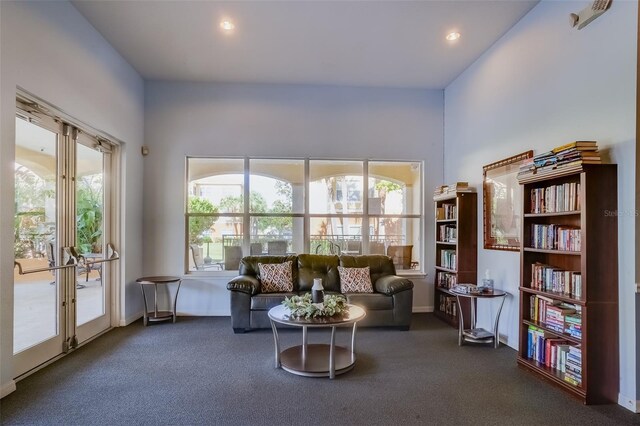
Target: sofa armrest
{"x": 245, "y": 284}
{"x": 392, "y": 284}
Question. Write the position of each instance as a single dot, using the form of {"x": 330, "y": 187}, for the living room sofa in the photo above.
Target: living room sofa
{"x": 389, "y": 305}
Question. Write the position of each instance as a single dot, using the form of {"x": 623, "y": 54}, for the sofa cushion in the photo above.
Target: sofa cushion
{"x": 355, "y": 280}
{"x": 266, "y": 301}
{"x": 370, "y": 301}
{"x": 312, "y": 266}
{"x": 249, "y": 266}
{"x": 379, "y": 265}
{"x": 275, "y": 277}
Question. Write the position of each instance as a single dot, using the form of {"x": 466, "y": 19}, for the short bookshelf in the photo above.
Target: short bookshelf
{"x": 455, "y": 249}
{"x": 569, "y": 282}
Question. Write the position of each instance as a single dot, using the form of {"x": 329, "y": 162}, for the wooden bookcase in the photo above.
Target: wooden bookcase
{"x": 463, "y": 218}
{"x": 596, "y": 262}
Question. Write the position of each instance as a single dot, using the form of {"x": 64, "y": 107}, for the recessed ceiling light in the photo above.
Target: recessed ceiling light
{"x": 227, "y": 25}
{"x": 453, "y": 36}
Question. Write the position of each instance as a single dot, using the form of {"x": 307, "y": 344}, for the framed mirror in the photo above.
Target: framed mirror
{"x": 502, "y": 202}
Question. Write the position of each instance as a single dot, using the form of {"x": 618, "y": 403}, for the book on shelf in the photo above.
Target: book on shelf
{"x": 556, "y": 237}
{"x": 555, "y": 353}
{"x": 556, "y": 198}
{"x": 549, "y": 278}
{"x": 447, "y": 233}
{"x": 447, "y": 211}
{"x": 446, "y": 279}
{"x": 556, "y": 315}
{"x": 449, "y": 305}
{"x": 448, "y": 259}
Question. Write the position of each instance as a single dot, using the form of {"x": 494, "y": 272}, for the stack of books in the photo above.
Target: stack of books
{"x": 573, "y": 325}
{"x": 573, "y": 368}
{"x": 566, "y": 158}
{"x": 452, "y": 188}
{"x": 555, "y": 316}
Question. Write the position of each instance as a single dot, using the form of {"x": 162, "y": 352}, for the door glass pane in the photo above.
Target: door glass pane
{"x": 35, "y": 295}
{"x": 335, "y": 187}
{"x": 89, "y": 233}
{"x": 394, "y": 187}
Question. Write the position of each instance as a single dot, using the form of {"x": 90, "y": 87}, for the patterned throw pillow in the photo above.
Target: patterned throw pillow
{"x": 276, "y": 277}
{"x": 355, "y": 280}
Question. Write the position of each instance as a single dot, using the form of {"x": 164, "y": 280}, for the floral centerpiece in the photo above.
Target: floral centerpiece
{"x": 302, "y": 306}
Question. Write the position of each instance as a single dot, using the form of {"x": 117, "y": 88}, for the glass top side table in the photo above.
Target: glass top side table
{"x": 474, "y": 334}
{"x": 158, "y": 315}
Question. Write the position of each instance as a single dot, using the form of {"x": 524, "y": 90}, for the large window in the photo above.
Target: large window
{"x": 302, "y": 206}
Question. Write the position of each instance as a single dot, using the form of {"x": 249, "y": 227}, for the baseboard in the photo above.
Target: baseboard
{"x": 7, "y": 388}
{"x": 421, "y": 309}
{"x": 135, "y": 317}
{"x": 214, "y": 313}
{"x": 629, "y": 403}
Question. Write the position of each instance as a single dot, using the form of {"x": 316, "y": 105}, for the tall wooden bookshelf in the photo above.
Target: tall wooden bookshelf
{"x": 592, "y": 288}
{"x": 456, "y": 234}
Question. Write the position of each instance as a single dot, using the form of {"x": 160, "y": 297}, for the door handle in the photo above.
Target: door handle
{"x": 70, "y": 260}
{"x": 112, "y": 256}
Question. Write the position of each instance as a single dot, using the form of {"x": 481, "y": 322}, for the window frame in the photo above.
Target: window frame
{"x": 365, "y": 216}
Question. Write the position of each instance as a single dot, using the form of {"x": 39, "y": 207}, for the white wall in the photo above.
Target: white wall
{"x": 273, "y": 121}
{"x": 542, "y": 85}
{"x": 50, "y": 50}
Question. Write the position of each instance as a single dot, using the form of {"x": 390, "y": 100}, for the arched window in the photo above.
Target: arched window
{"x": 352, "y": 207}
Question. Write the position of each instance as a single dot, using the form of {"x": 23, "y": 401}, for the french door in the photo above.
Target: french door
{"x": 64, "y": 259}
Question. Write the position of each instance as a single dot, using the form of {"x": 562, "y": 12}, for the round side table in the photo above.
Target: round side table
{"x": 473, "y": 334}
{"x": 156, "y": 315}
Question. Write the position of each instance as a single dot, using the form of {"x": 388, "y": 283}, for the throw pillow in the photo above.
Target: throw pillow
{"x": 355, "y": 280}
{"x": 276, "y": 277}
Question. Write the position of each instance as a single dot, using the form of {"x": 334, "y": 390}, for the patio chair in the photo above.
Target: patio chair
{"x": 198, "y": 261}
{"x": 232, "y": 257}
{"x": 401, "y": 256}
{"x": 255, "y": 249}
{"x": 51, "y": 261}
{"x": 353, "y": 247}
{"x": 277, "y": 248}
{"x": 376, "y": 247}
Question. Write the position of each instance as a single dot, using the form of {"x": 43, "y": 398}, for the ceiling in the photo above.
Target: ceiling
{"x": 355, "y": 43}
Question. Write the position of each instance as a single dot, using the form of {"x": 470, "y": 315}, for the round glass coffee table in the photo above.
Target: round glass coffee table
{"x": 316, "y": 360}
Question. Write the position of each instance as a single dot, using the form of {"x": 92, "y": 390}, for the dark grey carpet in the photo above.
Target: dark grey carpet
{"x": 198, "y": 372}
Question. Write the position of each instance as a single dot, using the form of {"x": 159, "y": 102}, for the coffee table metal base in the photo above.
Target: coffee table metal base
{"x": 315, "y": 362}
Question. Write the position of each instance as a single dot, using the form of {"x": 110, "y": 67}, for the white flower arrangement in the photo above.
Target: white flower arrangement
{"x": 302, "y": 306}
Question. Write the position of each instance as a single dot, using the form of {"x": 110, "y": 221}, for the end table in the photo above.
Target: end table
{"x": 157, "y": 315}
{"x": 473, "y": 334}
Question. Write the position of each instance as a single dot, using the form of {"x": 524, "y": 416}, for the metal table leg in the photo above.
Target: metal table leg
{"x": 460, "y": 322}
{"x": 332, "y": 354}
{"x": 175, "y": 301}
{"x": 496, "y": 340}
{"x": 276, "y": 341}
{"x": 145, "y": 314}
